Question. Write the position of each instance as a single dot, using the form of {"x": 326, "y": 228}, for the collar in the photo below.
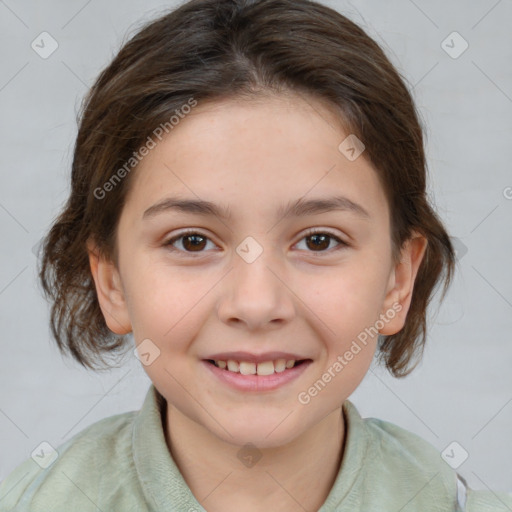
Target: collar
{"x": 165, "y": 488}
{"x": 163, "y": 485}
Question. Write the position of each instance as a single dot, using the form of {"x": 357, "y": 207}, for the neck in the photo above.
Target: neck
{"x": 223, "y": 476}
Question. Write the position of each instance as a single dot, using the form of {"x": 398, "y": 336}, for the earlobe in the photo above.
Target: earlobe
{"x": 402, "y": 280}
{"x": 109, "y": 291}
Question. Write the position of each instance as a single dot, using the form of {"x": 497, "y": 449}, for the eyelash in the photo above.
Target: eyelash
{"x": 309, "y": 233}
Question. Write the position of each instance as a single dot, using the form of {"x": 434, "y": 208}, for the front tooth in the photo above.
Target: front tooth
{"x": 280, "y": 365}
{"x": 290, "y": 363}
{"x": 221, "y": 364}
{"x": 266, "y": 368}
{"x": 233, "y": 366}
{"x": 247, "y": 368}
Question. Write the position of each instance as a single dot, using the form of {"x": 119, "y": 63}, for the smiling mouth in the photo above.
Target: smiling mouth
{"x": 262, "y": 368}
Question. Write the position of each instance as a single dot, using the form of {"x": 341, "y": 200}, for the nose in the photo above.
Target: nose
{"x": 256, "y": 295}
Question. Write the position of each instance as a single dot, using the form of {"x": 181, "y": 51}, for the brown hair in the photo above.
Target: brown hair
{"x": 222, "y": 49}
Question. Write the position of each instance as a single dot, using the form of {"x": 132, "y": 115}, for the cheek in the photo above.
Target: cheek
{"x": 348, "y": 298}
{"x": 169, "y": 309}
{"x": 346, "y": 307}
{"x": 164, "y": 304}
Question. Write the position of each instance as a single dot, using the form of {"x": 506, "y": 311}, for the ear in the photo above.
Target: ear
{"x": 109, "y": 291}
{"x": 401, "y": 283}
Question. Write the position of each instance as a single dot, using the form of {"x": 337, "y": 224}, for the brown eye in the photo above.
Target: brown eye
{"x": 320, "y": 241}
{"x": 190, "y": 242}
{"x": 194, "y": 242}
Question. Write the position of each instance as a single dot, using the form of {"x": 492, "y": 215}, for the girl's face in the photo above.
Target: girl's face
{"x": 260, "y": 277}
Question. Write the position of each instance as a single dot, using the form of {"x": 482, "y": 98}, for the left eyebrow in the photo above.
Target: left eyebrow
{"x": 299, "y": 208}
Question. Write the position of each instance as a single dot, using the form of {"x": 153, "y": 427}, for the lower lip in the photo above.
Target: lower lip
{"x": 257, "y": 382}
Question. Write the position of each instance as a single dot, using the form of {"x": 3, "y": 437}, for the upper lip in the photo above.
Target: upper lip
{"x": 254, "y": 358}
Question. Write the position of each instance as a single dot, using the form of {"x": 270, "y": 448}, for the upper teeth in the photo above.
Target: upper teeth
{"x": 263, "y": 368}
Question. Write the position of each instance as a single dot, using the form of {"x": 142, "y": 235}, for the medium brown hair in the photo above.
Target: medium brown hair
{"x": 220, "y": 49}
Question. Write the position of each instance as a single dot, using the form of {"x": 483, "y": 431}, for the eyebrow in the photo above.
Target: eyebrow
{"x": 298, "y": 208}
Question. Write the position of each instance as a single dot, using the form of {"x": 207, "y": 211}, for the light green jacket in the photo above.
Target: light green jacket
{"x": 122, "y": 464}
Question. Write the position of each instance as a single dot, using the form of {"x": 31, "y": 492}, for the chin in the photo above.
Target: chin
{"x": 269, "y": 432}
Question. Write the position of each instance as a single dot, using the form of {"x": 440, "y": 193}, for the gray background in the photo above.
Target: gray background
{"x": 461, "y": 392}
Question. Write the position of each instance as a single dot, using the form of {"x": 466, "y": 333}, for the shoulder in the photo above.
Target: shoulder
{"x": 395, "y": 469}
{"x": 96, "y": 460}
{"x": 418, "y": 467}
{"x": 398, "y": 447}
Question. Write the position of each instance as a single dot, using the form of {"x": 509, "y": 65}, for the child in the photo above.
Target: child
{"x": 248, "y": 200}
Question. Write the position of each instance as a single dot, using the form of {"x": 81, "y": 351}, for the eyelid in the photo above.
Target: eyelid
{"x": 309, "y": 232}
{"x": 325, "y": 231}
{"x": 169, "y": 242}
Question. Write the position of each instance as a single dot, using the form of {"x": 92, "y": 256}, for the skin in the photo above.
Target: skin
{"x": 255, "y": 156}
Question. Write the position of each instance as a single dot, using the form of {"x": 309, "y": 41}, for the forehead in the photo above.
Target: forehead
{"x": 255, "y": 153}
